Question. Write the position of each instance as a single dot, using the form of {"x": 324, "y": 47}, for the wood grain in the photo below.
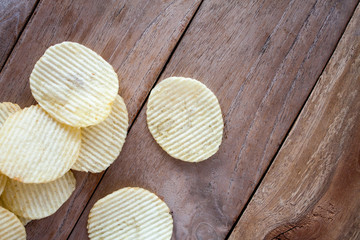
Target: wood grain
{"x": 136, "y": 37}
{"x": 262, "y": 61}
{"x": 312, "y": 189}
{"x": 14, "y": 14}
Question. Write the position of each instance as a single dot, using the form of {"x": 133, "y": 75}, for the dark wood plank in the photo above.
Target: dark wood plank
{"x": 136, "y": 37}
{"x": 14, "y": 14}
{"x": 312, "y": 189}
{"x": 262, "y": 61}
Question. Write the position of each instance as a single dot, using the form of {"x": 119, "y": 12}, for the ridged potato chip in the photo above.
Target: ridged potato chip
{"x": 130, "y": 214}
{"x": 74, "y": 84}
{"x": 185, "y": 119}
{"x": 7, "y": 109}
{"x": 102, "y": 143}
{"x": 35, "y": 148}
{"x": 10, "y": 226}
{"x": 3, "y": 180}
{"x": 35, "y": 201}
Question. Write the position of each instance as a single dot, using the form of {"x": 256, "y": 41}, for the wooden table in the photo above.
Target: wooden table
{"x": 287, "y": 75}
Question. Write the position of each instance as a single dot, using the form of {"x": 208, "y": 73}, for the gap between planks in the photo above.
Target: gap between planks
{"x": 287, "y": 133}
{"x": 142, "y": 105}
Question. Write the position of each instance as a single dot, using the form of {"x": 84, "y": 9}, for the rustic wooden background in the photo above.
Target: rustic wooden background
{"x": 287, "y": 75}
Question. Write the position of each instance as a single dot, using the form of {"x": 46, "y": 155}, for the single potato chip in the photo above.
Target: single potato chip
{"x": 35, "y": 201}
{"x": 35, "y": 148}
{"x": 185, "y": 119}
{"x": 10, "y": 226}
{"x": 130, "y": 214}
{"x": 74, "y": 84}
{"x": 7, "y": 109}
{"x": 3, "y": 180}
{"x": 102, "y": 143}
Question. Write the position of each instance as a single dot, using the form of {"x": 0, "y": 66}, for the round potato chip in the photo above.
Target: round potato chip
{"x": 35, "y": 201}
{"x": 102, "y": 143}
{"x": 10, "y": 226}
{"x": 185, "y": 119}
{"x": 74, "y": 84}
{"x": 3, "y": 180}
{"x": 35, "y": 148}
{"x": 130, "y": 213}
{"x": 7, "y": 109}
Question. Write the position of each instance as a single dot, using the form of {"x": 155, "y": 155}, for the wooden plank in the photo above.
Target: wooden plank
{"x": 136, "y": 37}
{"x": 261, "y": 60}
{"x": 312, "y": 189}
{"x": 14, "y": 14}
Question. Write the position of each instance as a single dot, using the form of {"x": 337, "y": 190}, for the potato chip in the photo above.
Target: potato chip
{"x": 3, "y": 180}
{"x": 35, "y": 201}
{"x": 74, "y": 84}
{"x": 185, "y": 119}
{"x": 7, "y": 109}
{"x": 130, "y": 213}
{"x": 102, "y": 143}
{"x": 10, "y": 226}
{"x": 35, "y": 148}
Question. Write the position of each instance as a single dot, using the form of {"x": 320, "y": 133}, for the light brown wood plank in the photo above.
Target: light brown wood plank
{"x": 14, "y": 14}
{"x": 312, "y": 189}
{"x": 136, "y": 37}
{"x": 262, "y": 61}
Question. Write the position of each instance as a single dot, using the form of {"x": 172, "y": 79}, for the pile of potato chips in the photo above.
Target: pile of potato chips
{"x": 81, "y": 123}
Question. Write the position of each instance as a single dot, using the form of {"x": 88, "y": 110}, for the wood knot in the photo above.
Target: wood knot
{"x": 205, "y": 231}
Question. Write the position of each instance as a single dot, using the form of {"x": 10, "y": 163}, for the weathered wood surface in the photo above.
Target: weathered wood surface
{"x": 14, "y": 14}
{"x": 136, "y": 37}
{"x": 262, "y": 60}
{"x": 312, "y": 189}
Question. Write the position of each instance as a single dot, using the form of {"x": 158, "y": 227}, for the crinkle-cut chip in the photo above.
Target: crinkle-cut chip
{"x": 130, "y": 214}
{"x": 3, "y": 180}
{"x": 35, "y": 201}
{"x": 185, "y": 119}
{"x": 35, "y": 148}
{"x": 10, "y": 226}
{"x": 7, "y": 109}
{"x": 74, "y": 84}
{"x": 102, "y": 143}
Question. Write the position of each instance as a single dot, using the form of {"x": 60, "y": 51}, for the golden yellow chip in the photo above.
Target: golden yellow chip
{"x": 74, "y": 84}
{"x": 130, "y": 214}
{"x": 10, "y": 226}
{"x": 7, "y": 109}
{"x": 3, "y": 180}
{"x": 185, "y": 119}
{"x": 35, "y": 148}
{"x": 35, "y": 201}
{"x": 102, "y": 143}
